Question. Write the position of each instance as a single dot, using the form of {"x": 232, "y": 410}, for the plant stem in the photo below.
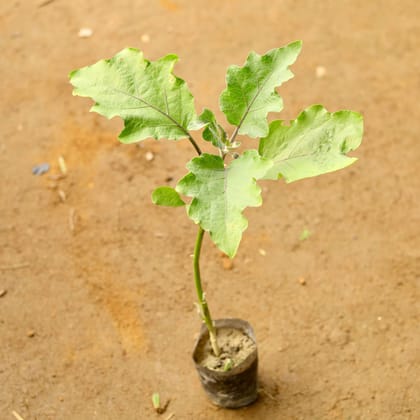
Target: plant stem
{"x": 235, "y": 133}
{"x": 194, "y": 143}
{"x": 202, "y": 303}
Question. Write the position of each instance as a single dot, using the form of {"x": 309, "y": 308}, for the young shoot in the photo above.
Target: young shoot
{"x": 154, "y": 103}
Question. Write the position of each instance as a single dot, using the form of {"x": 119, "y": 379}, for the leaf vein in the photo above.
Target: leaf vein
{"x": 154, "y": 108}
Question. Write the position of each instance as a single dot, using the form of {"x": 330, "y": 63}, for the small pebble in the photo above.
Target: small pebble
{"x": 262, "y": 252}
{"x": 320, "y": 71}
{"x": 3, "y": 292}
{"x": 62, "y": 165}
{"x": 85, "y": 33}
{"x": 31, "y": 333}
{"x": 40, "y": 169}
{"x": 149, "y": 156}
{"x": 72, "y": 219}
{"x": 227, "y": 263}
{"x": 145, "y": 38}
{"x": 62, "y": 195}
{"x": 302, "y": 281}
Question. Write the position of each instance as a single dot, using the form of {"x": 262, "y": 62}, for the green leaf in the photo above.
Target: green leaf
{"x": 167, "y": 196}
{"x": 146, "y": 95}
{"x": 250, "y": 93}
{"x": 221, "y": 193}
{"x": 213, "y": 132}
{"x": 228, "y": 365}
{"x": 156, "y": 401}
{"x": 306, "y": 233}
{"x": 313, "y": 144}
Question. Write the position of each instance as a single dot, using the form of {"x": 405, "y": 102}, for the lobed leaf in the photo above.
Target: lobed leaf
{"x": 250, "y": 93}
{"x": 167, "y": 196}
{"x": 220, "y": 194}
{"x": 313, "y": 144}
{"x": 151, "y": 100}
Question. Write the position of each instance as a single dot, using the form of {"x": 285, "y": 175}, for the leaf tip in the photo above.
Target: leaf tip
{"x": 170, "y": 60}
{"x": 167, "y": 196}
{"x": 132, "y": 49}
{"x": 230, "y": 251}
{"x": 172, "y": 57}
{"x": 296, "y": 44}
{"x": 72, "y": 74}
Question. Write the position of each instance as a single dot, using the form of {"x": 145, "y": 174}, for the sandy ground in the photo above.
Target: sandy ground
{"x": 97, "y": 311}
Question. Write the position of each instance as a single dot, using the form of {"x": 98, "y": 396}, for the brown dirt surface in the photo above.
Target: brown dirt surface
{"x": 235, "y": 346}
{"x": 96, "y": 309}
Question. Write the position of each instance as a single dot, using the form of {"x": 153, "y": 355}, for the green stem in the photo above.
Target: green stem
{"x": 193, "y": 142}
{"x": 202, "y": 303}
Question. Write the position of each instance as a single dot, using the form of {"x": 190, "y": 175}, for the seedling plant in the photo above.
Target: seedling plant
{"x": 154, "y": 103}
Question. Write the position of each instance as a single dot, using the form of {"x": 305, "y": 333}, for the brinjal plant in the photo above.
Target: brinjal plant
{"x": 154, "y": 103}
